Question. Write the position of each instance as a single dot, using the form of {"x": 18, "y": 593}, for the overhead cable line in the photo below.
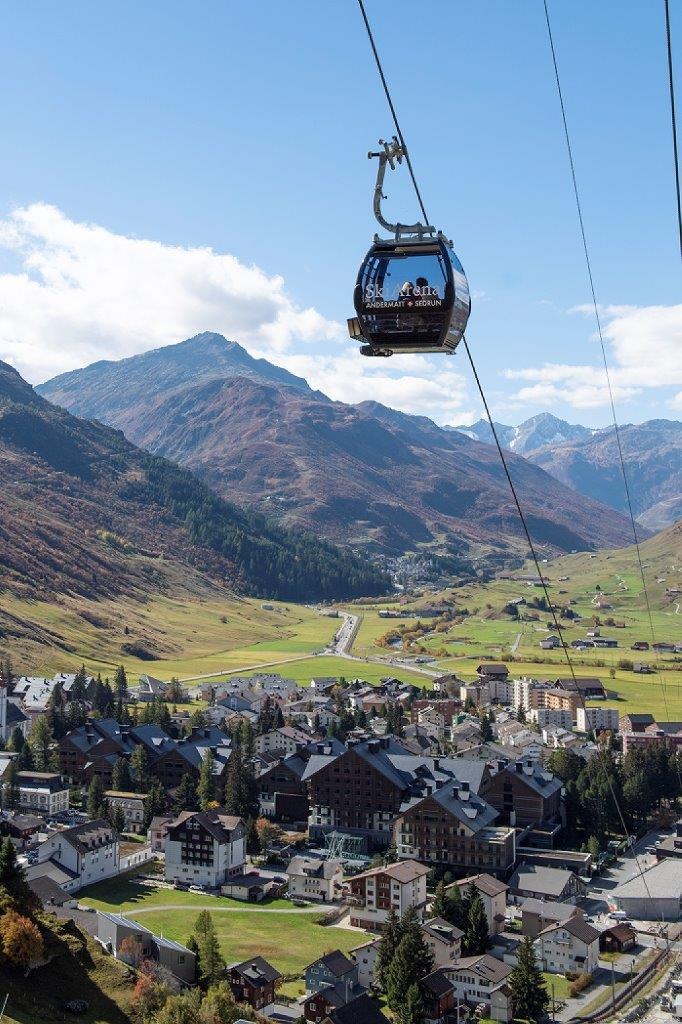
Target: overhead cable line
{"x": 671, "y": 84}
{"x": 510, "y": 481}
{"x": 398, "y": 129}
{"x": 616, "y": 428}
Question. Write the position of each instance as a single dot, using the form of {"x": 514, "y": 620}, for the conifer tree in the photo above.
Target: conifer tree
{"x": 412, "y": 1010}
{"x": 391, "y": 934}
{"x": 116, "y": 817}
{"x": 476, "y": 935}
{"x": 154, "y": 803}
{"x": 41, "y": 740}
{"x": 139, "y": 767}
{"x": 121, "y": 683}
{"x": 186, "y": 798}
{"x": 457, "y": 908}
{"x": 121, "y": 779}
{"x": 206, "y": 787}
{"x": 10, "y": 785}
{"x": 79, "y": 684}
{"x": 210, "y": 958}
{"x": 16, "y": 740}
{"x": 527, "y": 985}
{"x": 12, "y": 876}
{"x": 413, "y": 960}
{"x": 440, "y": 906}
{"x": 95, "y": 805}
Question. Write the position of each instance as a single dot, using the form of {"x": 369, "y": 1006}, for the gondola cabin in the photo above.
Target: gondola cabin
{"x": 410, "y": 296}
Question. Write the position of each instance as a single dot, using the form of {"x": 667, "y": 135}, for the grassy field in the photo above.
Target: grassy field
{"x": 612, "y": 576}
{"x": 126, "y": 894}
{"x": 304, "y": 670}
{"x": 189, "y": 636}
{"x": 561, "y": 985}
{"x": 289, "y": 941}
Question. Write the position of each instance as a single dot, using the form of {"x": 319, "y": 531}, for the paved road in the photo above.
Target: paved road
{"x": 343, "y": 645}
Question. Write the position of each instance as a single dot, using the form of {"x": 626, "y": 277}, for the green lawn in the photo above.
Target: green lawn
{"x": 192, "y": 635}
{"x": 303, "y": 670}
{"x": 127, "y": 894}
{"x": 561, "y": 985}
{"x": 289, "y": 941}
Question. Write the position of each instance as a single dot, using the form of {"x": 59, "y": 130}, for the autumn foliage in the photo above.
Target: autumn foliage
{"x": 21, "y": 940}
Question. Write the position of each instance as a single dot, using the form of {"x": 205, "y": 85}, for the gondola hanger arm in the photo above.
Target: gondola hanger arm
{"x": 392, "y": 154}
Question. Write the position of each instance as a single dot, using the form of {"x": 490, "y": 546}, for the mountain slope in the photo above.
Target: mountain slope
{"x": 588, "y": 461}
{"x": 355, "y": 474}
{"x": 654, "y": 468}
{"x": 536, "y": 432}
{"x": 83, "y": 511}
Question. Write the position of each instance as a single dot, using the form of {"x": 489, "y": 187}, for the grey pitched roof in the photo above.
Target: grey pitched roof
{"x": 662, "y": 881}
{"x": 535, "y": 776}
{"x": 15, "y": 716}
{"x": 486, "y": 966}
{"x": 537, "y": 878}
{"x": 363, "y": 1010}
{"x": 549, "y": 911}
{"x": 337, "y": 962}
{"x": 486, "y": 883}
{"x": 311, "y": 867}
{"x": 89, "y": 835}
{"x": 257, "y": 971}
{"x": 441, "y": 929}
{"x": 220, "y": 826}
{"x": 437, "y": 983}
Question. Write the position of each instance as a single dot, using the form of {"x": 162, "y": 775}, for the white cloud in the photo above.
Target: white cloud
{"x": 83, "y": 293}
{"x": 346, "y": 378}
{"x": 644, "y": 350}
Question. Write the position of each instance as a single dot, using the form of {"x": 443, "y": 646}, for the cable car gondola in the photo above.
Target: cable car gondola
{"x": 411, "y": 294}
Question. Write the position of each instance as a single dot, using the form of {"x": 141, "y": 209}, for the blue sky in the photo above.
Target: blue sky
{"x": 244, "y": 128}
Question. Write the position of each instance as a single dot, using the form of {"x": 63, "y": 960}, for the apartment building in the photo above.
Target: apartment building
{"x": 204, "y": 848}
{"x": 85, "y": 854}
{"x": 597, "y": 719}
{"x": 396, "y": 887}
{"x": 132, "y": 805}
{"x": 43, "y": 792}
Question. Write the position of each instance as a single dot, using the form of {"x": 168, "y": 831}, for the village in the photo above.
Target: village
{"x": 468, "y": 822}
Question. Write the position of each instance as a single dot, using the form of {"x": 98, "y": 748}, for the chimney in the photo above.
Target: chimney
{"x": 678, "y": 829}
{"x": 519, "y": 766}
{"x": 465, "y": 786}
{"x": 436, "y": 764}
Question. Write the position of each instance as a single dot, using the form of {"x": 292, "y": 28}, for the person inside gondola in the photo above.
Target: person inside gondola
{"x": 406, "y": 291}
{"x": 424, "y": 290}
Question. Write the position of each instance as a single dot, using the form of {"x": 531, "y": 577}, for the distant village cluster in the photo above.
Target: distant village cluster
{"x": 459, "y": 824}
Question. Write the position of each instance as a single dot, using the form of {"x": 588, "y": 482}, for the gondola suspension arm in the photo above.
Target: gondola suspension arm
{"x": 391, "y": 154}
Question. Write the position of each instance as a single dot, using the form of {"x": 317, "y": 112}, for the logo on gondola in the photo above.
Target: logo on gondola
{"x": 373, "y": 293}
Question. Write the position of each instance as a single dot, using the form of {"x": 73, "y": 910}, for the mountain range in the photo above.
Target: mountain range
{"x": 588, "y": 461}
{"x": 361, "y": 475}
{"x": 83, "y": 511}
